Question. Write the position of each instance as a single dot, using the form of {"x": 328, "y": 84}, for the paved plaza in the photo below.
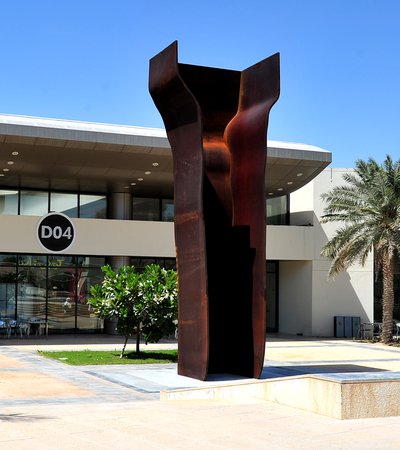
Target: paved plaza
{"x": 45, "y": 404}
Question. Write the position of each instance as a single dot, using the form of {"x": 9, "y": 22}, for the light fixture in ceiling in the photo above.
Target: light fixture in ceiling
{"x": 133, "y": 184}
{"x": 10, "y": 163}
{"x": 155, "y": 164}
{"x": 6, "y": 170}
{"x": 140, "y": 179}
{"x": 290, "y": 182}
{"x": 280, "y": 189}
{"x": 148, "y": 172}
{"x": 300, "y": 174}
{"x": 15, "y": 153}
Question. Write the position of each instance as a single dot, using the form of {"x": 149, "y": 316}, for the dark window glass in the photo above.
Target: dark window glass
{"x": 277, "y": 211}
{"x": 170, "y": 263}
{"x": 8, "y": 277}
{"x": 63, "y": 260}
{"x": 167, "y": 210}
{"x": 272, "y": 295}
{"x": 8, "y": 260}
{"x": 146, "y": 209}
{"x": 93, "y": 261}
{"x": 141, "y": 263}
{"x": 32, "y": 260}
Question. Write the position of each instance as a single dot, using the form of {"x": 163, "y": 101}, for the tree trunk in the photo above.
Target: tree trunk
{"x": 138, "y": 338}
{"x": 388, "y": 300}
{"x": 123, "y": 348}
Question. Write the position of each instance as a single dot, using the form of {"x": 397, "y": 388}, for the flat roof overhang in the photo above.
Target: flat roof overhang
{"x": 94, "y": 157}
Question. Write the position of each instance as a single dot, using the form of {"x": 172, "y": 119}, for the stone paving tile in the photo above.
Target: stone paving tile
{"x": 52, "y": 381}
{"x": 115, "y": 415}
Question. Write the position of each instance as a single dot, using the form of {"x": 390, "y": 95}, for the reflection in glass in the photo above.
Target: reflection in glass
{"x": 31, "y": 293}
{"x": 167, "y": 210}
{"x": 61, "y": 298}
{"x": 64, "y": 203}
{"x": 8, "y": 202}
{"x": 169, "y": 263}
{"x": 8, "y": 260}
{"x": 64, "y": 260}
{"x": 146, "y": 209}
{"x": 86, "y": 319}
{"x": 34, "y": 203}
{"x": 92, "y": 206}
{"x": 32, "y": 260}
{"x": 140, "y": 263}
{"x": 8, "y": 276}
{"x": 277, "y": 211}
{"x": 93, "y": 261}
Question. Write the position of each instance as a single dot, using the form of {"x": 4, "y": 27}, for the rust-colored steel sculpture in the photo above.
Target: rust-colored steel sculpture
{"x": 216, "y": 122}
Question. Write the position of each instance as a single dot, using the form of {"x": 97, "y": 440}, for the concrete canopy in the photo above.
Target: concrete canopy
{"x": 66, "y": 155}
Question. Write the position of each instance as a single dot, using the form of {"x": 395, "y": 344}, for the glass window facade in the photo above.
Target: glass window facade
{"x": 50, "y": 287}
{"x": 153, "y": 209}
{"x": 55, "y": 288}
{"x": 156, "y": 209}
{"x": 141, "y": 263}
{"x": 278, "y": 210}
{"x": 34, "y": 203}
{"x": 8, "y": 202}
{"x": 64, "y": 203}
{"x": 92, "y": 206}
{"x": 146, "y": 209}
{"x": 39, "y": 203}
{"x": 167, "y": 210}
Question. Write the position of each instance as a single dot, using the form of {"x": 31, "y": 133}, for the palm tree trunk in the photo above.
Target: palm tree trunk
{"x": 388, "y": 300}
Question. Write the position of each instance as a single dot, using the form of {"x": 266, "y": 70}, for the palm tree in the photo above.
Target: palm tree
{"x": 368, "y": 209}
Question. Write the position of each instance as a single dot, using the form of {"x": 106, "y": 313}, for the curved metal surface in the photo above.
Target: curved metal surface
{"x": 216, "y": 122}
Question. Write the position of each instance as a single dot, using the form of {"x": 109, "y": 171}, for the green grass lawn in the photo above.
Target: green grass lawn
{"x": 93, "y": 357}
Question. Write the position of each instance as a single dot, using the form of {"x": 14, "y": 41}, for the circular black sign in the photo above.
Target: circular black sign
{"x": 55, "y": 232}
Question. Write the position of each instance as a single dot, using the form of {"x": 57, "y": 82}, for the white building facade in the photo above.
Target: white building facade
{"x": 115, "y": 184}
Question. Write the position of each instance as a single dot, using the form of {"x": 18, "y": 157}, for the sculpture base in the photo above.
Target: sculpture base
{"x": 337, "y": 395}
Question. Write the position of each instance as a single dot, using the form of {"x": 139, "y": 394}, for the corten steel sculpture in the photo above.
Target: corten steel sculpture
{"x": 216, "y": 122}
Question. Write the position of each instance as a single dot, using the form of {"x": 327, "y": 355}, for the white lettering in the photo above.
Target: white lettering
{"x": 57, "y": 232}
{"x": 46, "y": 232}
{"x": 68, "y": 233}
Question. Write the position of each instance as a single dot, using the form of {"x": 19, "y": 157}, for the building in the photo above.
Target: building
{"x": 115, "y": 183}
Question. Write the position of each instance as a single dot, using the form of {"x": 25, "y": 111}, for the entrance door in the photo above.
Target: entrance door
{"x": 271, "y": 292}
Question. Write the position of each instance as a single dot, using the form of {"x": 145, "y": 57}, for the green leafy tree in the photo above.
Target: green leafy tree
{"x": 368, "y": 210}
{"x": 145, "y": 304}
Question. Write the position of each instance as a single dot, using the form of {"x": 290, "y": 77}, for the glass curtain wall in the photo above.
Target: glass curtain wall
{"x": 39, "y": 203}
{"x": 156, "y": 209}
{"x": 8, "y": 202}
{"x": 153, "y": 209}
{"x": 53, "y": 288}
{"x": 8, "y": 285}
{"x": 278, "y": 210}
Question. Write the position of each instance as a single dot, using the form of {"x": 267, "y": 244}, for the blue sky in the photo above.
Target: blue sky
{"x": 88, "y": 60}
